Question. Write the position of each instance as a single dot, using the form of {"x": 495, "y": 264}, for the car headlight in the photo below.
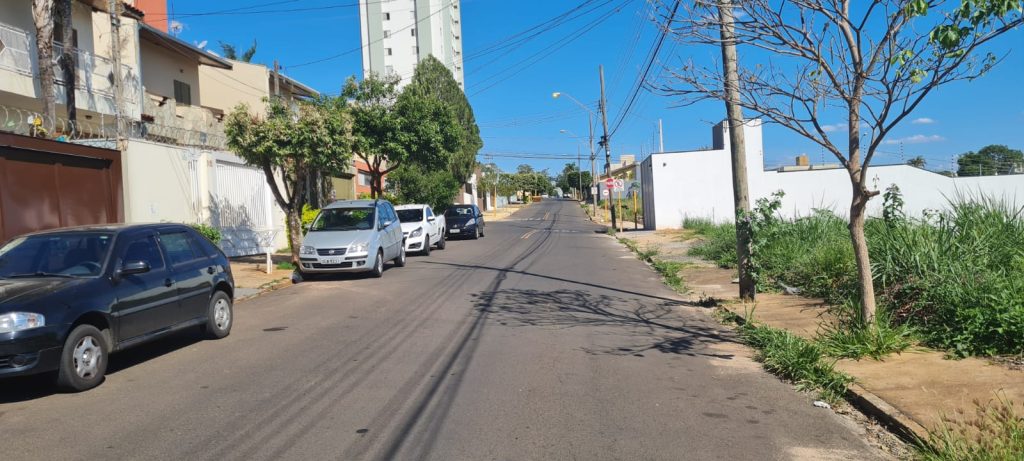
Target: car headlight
{"x": 471, "y": 222}
{"x": 416, "y": 233}
{"x": 307, "y": 250}
{"x": 20, "y": 321}
{"x": 358, "y": 247}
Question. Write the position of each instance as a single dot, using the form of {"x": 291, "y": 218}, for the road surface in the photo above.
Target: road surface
{"x": 545, "y": 340}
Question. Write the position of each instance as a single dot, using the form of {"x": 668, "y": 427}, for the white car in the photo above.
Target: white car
{"x": 421, "y": 228}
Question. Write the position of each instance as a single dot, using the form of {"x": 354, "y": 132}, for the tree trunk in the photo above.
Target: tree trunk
{"x": 67, "y": 64}
{"x": 42, "y": 16}
{"x": 295, "y": 232}
{"x": 741, "y": 200}
{"x": 866, "y": 282}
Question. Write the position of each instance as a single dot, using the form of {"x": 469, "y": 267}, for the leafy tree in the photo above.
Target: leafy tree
{"x": 414, "y": 183}
{"x": 995, "y": 159}
{"x": 290, "y": 146}
{"x": 231, "y": 52}
{"x": 433, "y": 79}
{"x": 524, "y": 168}
{"x": 918, "y": 162}
{"x": 873, "y": 61}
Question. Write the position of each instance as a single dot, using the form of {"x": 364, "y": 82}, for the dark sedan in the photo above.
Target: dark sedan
{"x": 69, "y": 297}
{"x": 464, "y": 221}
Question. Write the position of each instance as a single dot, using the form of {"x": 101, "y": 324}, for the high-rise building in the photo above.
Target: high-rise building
{"x": 397, "y": 34}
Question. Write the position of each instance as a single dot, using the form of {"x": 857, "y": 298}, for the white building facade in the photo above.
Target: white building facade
{"x": 397, "y": 34}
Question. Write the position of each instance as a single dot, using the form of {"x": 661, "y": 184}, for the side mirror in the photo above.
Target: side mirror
{"x": 431, "y": 219}
{"x": 386, "y": 224}
{"x": 133, "y": 267}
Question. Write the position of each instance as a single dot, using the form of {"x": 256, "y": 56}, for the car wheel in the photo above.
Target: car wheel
{"x": 297, "y": 276}
{"x": 426, "y": 246}
{"x": 476, "y": 233}
{"x": 83, "y": 361}
{"x": 400, "y": 260}
{"x": 481, "y": 231}
{"x": 440, "y": 244}
{"x": 378, "y": 265}
{"x": 219, "y": 317}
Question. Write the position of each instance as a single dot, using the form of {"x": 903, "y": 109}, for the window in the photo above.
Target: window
{"x": 388, "y": 50}
{"x": 387, "y": 33}
{"x": 343, "y": 219}
{"x": 430, "y": 212}
{"x": 469, "y": 188}
{"x": 182, "y": 93}
{"x": 144, "y": 249}
{"x": 364, "y": 178}
{"x": 178, "y": 247}
{"x": 73, "y": 254}
{"x": 387, "y": 16}
{"x": 413, "y": 30}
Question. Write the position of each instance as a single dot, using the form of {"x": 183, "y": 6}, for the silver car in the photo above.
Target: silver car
{"x": 352, "y": 236}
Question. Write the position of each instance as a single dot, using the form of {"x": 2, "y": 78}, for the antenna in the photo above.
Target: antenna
{"x": 201, "y": 44}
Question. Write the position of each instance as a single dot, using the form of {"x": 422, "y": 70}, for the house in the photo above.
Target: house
{"x": 698, "y": 184}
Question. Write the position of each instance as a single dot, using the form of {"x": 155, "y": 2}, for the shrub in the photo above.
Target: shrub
{"x": 210, "y": 232}
{"x": 308, "y": 215}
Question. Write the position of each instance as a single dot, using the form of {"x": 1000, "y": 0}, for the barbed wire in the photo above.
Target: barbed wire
{"x": 31, "y": 123}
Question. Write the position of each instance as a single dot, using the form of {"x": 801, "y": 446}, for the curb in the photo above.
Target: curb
{"x": 890, "y": 417}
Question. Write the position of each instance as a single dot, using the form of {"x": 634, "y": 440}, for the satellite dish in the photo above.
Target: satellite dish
{"x": 201, "y": 44}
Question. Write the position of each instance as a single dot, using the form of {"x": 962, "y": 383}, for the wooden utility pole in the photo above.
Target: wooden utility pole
{"x": 606, "y": 140}
{"x": 593, "y": 169}
{"x": 741, "y": 199}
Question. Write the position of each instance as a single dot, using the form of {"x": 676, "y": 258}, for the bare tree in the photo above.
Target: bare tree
{"x": 872, "y": 62}
{"x": 66, "y": 59}
{"x": 42, "y": 17}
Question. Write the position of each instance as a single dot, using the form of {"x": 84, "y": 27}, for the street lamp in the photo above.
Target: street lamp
{"x": 590, "y": 124}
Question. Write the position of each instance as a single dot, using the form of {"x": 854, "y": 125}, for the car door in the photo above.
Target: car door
{"x": 394, "y": 229}
{"x": 145, "y": 302}
{"x": 435, "y": 230}
{"x": 191, "y": 270}
{"x": 479, "y": 217}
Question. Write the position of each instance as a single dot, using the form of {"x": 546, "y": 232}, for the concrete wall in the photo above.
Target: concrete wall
{"x": 244, "y": 83}
{"x": 699, "y": 184}
{"x": 161, "y": 67}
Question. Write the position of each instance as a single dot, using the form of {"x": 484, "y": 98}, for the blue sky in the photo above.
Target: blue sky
{"x": 513, "y": 102}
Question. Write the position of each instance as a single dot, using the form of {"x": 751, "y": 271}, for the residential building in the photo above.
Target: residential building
{"x": 397, "y": 34}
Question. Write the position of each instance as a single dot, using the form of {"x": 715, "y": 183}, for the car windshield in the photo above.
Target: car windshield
{"x": 411, "y": 215}
{"x": 344, "y": 219}
{"x": 459, "y": 211}
{"x": 78, "y": 254}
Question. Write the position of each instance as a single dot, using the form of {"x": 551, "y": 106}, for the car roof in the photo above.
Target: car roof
{"x": 353, "y": 204}
{"x": 410, "y": 206}
{"x": 114, "y": 227}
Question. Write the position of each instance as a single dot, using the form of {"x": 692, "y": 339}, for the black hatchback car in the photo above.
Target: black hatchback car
{"x": 69, "y": 297}
{"x": 464, "y": 221}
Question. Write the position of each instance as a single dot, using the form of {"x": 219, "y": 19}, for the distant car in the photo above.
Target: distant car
{"x": 566, "y": 196}
{"x": 464, "y": 221}
{"x": 421, "y": 228}
{"x": 69, "y": 297}
{"x": 351, "y": 236}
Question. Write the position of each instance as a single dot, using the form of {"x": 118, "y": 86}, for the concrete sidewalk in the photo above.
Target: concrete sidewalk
{"x": 913, "y": 389}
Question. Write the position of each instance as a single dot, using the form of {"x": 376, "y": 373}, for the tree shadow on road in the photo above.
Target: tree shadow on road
{"x": 631, "y": 326}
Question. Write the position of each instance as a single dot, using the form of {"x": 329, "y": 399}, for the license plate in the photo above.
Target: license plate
{"x": 454, "y": 231}
{"x": 330, "y": 260}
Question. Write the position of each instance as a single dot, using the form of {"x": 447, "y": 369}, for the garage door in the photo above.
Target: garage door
{"x": 242, "y": 209}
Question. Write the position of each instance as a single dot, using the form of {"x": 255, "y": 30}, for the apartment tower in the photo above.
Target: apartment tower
{"x": 397, "y": 34}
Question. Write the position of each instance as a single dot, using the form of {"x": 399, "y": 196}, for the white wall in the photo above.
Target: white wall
{"x": 699, "y": 184}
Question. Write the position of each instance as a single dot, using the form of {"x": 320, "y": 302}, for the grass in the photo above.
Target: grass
{"x": 791, "y": 357}
{"x": 668, "y": 269}
{"x": 853, "y": 340}
{"x": 285, "y": 266}
{"x": 956, "y": 277}
{"x": 993, "y": 432}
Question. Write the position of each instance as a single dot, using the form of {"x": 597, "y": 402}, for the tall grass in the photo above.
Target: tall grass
{"x": 994, "y": 432}
{"x": 957, "y": 275}
{"x": 796, "y": 359}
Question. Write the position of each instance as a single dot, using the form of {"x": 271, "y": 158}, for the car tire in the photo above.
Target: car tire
{"x": 298, "y": 276}
{"x": 83, "y": 360}
{"x": 378, "y": 265}
{"x": 220, "y": 316}
{"x": 441, "y": 244}
{"x": 481, "y": 231}
{"x": 476, "y": 233}
{"x": 426, "y": 246}
{"x": 400, "y": 259}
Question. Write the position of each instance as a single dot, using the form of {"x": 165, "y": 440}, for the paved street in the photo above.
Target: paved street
{"x": 545, "y": 340}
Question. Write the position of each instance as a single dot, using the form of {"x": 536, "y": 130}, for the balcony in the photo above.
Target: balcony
{"x": 94, "y": 75}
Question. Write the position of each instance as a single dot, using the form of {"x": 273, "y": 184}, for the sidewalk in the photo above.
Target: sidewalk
{"x": 913, "y": 389}
{"x": 251, "y": 277}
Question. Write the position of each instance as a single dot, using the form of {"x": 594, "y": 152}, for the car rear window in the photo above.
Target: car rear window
{"x": 459, "y": 211}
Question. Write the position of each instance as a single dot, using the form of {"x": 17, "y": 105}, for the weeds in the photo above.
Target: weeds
{"x": 670, "y": 271}
{"x": 854, "y": 340}
{"x": 956, "y": 276}
{"x": 285, "y": 266}
{"x": 994, "y": 432}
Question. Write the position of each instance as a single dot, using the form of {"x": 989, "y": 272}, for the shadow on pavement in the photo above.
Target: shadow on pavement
{"x": 641, "y": 326}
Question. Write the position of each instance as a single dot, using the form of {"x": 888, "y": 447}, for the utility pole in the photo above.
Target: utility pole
{"x": 579, "y": 174}
{"x": 115, "y": 45}
{"x": 593, "y": 170}
{"x": 661, "y": 138}
{"x": 277, "y": 79}
{"x": 605, "y": 140}
{"x": 741, "y": 199}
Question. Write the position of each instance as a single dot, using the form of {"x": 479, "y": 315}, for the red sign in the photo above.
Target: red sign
{"x": 610, "y": 182}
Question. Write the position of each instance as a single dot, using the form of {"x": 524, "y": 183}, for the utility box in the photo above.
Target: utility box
{"x": 802, "y": 160}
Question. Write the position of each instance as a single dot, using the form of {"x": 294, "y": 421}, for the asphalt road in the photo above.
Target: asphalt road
{"x": 545, "y": 340}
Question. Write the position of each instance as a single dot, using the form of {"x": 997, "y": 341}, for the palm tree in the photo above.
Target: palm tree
{"x": 231, "y": 52}
{"x": 918, "y": 162}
